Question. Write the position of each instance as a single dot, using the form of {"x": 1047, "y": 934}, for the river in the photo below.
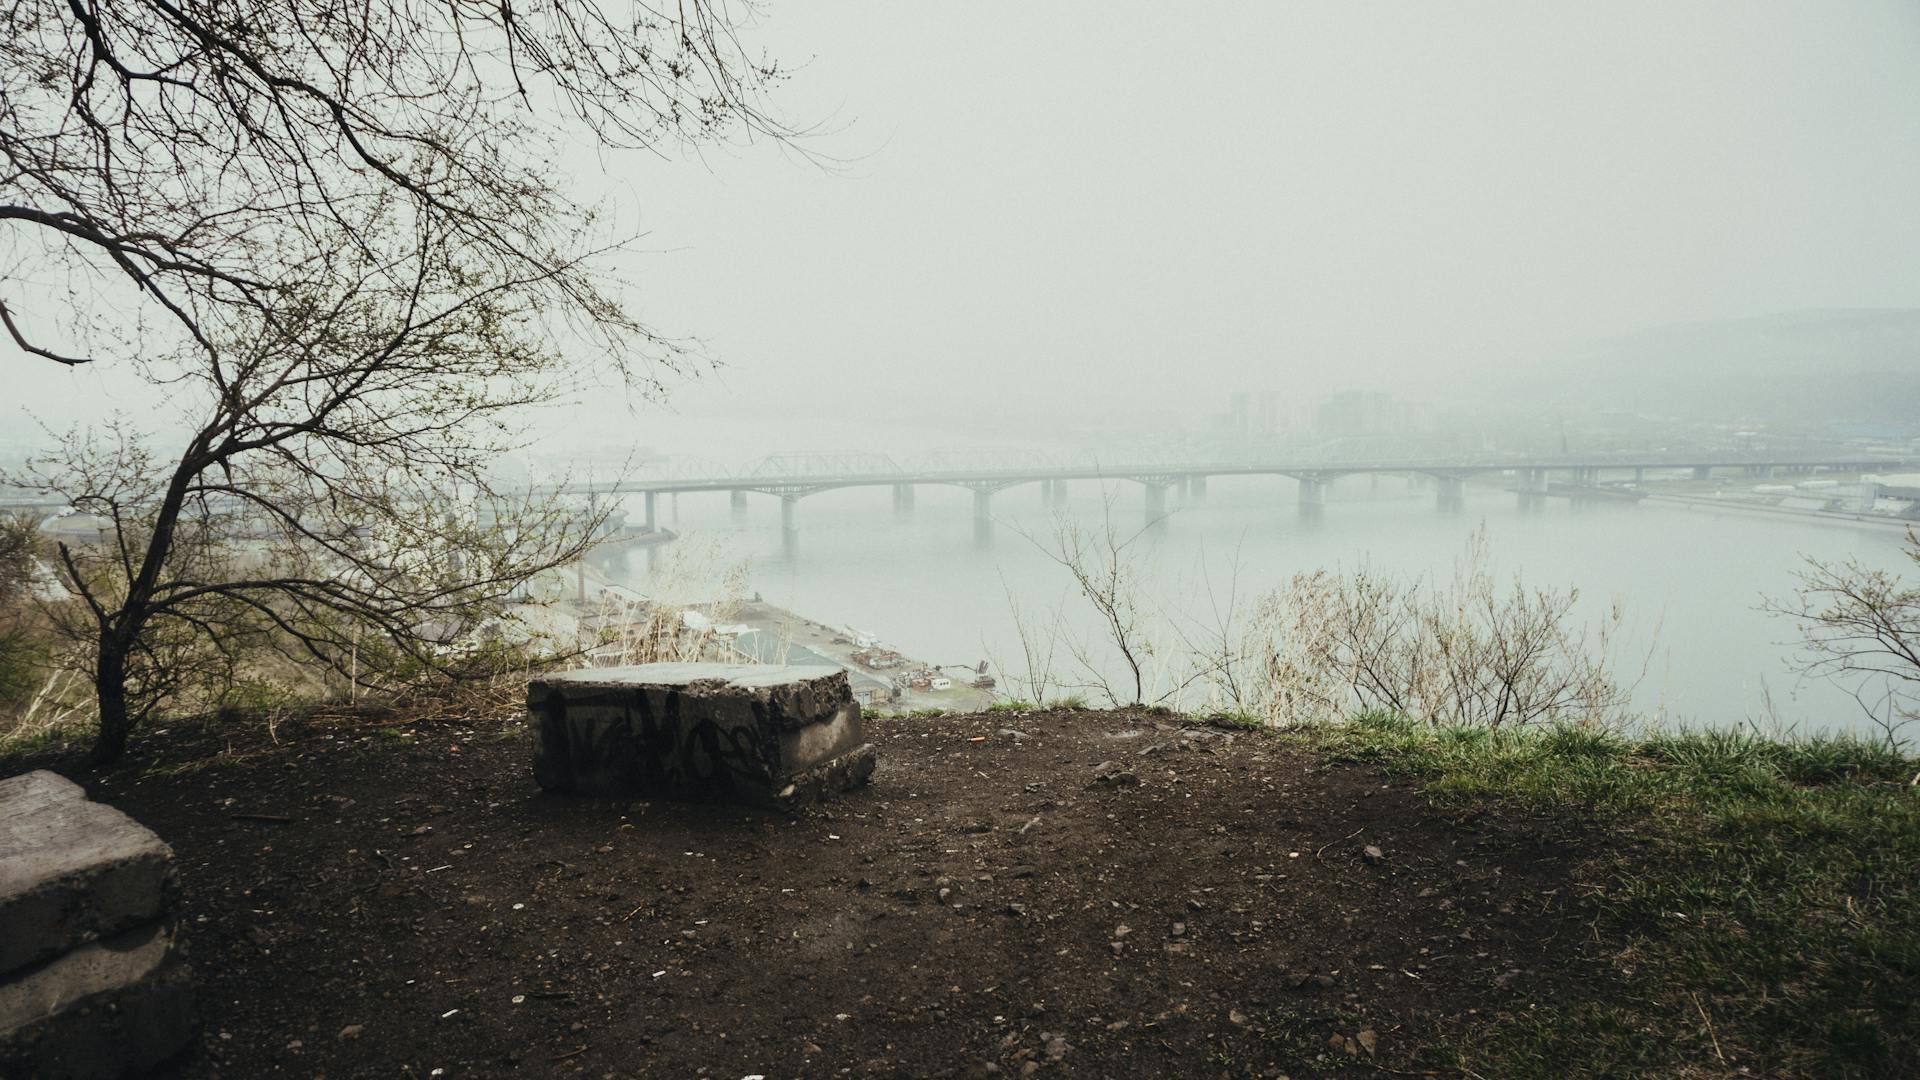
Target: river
{"x": 1691, "y": 581}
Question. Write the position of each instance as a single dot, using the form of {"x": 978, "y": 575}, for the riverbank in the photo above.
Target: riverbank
{"x": 1739, "y": 506}
{"x": 1080, "y": 893}
{"x": 845, "y": 647}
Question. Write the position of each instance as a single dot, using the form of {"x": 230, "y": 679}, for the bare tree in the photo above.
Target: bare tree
{"x": 19, "y": 541}
{"x": 1860, "y": 627}
{"x": 340, "y": 236}
{"x": 1215, "y": 641}
{"x": 190, "y": 157}
{"x": 1471, "y": 653}
{"x": 1106, "y": 571}
{"x": 1039, "y": 637}
{"x": 334, "y": 501}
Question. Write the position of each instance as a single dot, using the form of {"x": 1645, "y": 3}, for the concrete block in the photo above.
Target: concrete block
{"x": 110, "y": 1008}
{"x": 781, "y": 735}
{"x": 72, "y": 870}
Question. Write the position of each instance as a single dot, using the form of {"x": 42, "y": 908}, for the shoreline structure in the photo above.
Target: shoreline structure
{"x": 796, "y": 639}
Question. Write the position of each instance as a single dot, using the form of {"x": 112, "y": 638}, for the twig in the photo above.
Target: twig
{"x": 1330, "y": 843}
{"x": 272, "y": 819}
{"x": 1707, "y": 1021}
{"x": 1030, "y": 824}
{"x": 570, "y": 1054}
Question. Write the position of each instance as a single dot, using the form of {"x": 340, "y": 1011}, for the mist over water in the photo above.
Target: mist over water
{"x": 1691, "y": 581}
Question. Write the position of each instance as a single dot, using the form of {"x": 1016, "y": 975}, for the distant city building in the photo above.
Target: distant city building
{"x": 1265, "y": 414}
{"x": 1370, "y": 412}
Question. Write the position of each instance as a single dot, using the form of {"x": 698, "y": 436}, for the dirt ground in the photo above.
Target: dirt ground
{"x": 1085, "y": 893}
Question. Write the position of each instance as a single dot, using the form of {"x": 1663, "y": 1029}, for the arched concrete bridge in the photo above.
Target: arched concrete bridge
{"x": 791, "y": 477}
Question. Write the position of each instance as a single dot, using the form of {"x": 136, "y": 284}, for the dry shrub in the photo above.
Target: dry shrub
{"x": 1471, "y": 651}
{"x": 693, "y": 576}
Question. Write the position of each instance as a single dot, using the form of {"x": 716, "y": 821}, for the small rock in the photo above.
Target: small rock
{"x": 1016, "y": 910}
{"x": 351, "y": 1031}
{"x": 1367, "y": 1040}
{"x": 1373, "y": 854}
{"x": 1237, "y": 1018}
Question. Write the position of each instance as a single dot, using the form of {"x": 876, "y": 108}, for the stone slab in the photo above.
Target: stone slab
{"x": 747, "y": 732}
{"x": 72, "y": 869}
{"x": 110, "y": 1008}
{"x": 793, "y": 695}
{"x": 843, "y": 773}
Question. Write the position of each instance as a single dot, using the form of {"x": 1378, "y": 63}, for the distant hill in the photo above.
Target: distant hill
{"x": 1849, "y": 367}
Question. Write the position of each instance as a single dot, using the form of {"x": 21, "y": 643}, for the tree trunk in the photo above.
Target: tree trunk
{"x": 110, "y": 688}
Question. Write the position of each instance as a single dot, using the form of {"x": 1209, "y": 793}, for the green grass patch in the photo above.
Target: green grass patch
{"x": 1766, "y": 917}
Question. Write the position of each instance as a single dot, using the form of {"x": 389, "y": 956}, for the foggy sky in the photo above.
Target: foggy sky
{"x": 1061, "y": 207}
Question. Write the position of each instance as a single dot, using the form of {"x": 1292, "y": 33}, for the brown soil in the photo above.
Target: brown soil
{"x": 362, "y": 905}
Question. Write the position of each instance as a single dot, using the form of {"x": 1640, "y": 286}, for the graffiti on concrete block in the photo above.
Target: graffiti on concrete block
{"x": 654, "y": 742}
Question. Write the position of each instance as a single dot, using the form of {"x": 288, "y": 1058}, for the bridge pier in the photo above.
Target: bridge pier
{"x": 1703, "y": 472}
{"x": 1532, "y": 487}
{"x": 1639, "y": 474}
{"x": 1197, "y": 487}
{"x": 738, "y": 501}
{"x": 1313, "y": 492}
{"x": 982, "y": 506}
{"x": 1450, "y": 492}
{"x": 1057, "y": 494}
{"x": 1156, "y": 501}
{"x": 902, "y": 498}
{"x": 787, "y": 503}
{"x": 652, "y": 522}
